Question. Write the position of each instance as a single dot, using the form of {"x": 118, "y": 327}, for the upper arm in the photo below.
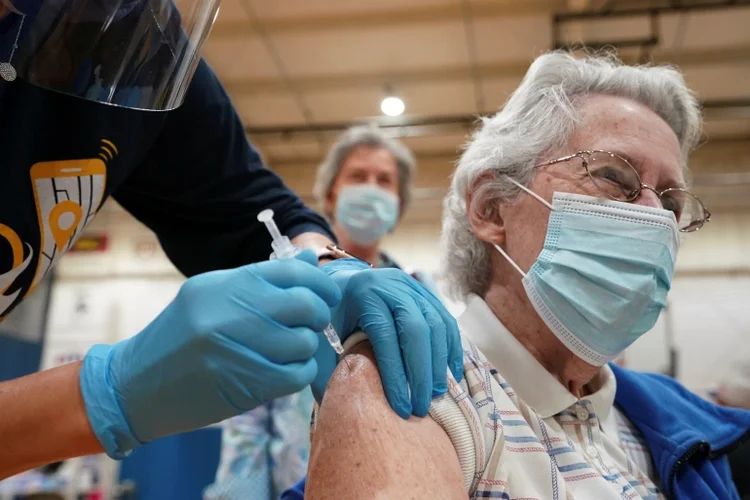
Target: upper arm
{"x": 362, "y": 449}
{"x": 202, "y": 184}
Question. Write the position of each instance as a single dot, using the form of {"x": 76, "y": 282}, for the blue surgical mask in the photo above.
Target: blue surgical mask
{"x": 366, "y": 212}
{"x": 602, "y": 278}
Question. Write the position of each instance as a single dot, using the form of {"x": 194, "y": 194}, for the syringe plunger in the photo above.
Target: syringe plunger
{"x": 282, "y": 246}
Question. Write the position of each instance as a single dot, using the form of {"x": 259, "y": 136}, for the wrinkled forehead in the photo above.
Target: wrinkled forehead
{"x": 634, "y": 132}
{"x": 371, "y": 158}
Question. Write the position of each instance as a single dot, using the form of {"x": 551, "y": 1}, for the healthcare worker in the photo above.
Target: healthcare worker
{"x": 103, "y": 98}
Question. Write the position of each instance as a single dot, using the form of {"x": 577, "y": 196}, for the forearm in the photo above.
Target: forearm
{"x": 43, "y": 420}
{"x": 312, "y": 241}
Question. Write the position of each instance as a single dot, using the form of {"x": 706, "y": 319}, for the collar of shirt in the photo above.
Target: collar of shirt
{"x": 529, "y": 379}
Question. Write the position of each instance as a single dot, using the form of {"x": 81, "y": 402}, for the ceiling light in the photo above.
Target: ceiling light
{"x": 392, "y": 106}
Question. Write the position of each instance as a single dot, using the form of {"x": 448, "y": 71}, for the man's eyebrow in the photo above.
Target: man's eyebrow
{"x": 638, "y": 165}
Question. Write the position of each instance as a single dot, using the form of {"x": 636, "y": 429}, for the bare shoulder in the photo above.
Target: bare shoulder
{"x": 362, "y": 449}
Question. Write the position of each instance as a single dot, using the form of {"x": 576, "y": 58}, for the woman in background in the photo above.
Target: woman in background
{"x": 363, "y": 187}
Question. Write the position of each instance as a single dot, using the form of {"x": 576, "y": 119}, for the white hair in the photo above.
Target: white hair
{"x": 539, "y": 116}
{"x": 369, "y": 136}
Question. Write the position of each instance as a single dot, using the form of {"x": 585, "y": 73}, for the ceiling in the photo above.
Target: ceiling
{"x": 293, "y": 64}
{"x": 299, "y": 71}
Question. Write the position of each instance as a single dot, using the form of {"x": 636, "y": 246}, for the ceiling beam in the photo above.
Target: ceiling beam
{"x": 433, "y": 125}
{"x": 449, "y": 154}
{"x": 648, "y": 11}
{"x": 512, "y": 69}
{"x": 399, "y": 126}
{"x": 393, "y": 17}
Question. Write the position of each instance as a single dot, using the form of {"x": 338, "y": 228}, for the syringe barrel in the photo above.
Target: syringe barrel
{"x": 283, "y": 248}
{"x": 333, "y": 339}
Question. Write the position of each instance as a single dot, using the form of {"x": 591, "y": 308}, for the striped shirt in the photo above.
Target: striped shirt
{"x": 520, "y": 434}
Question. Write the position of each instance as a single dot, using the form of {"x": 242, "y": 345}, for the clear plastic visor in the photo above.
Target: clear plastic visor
{"x": 133, "y": 53}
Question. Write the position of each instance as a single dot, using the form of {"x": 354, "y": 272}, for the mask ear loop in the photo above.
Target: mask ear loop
{"x": 502, "y": 252}
{"x": 532, "y": 193}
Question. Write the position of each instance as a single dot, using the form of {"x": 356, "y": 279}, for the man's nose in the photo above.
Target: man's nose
{"x": 372, "y": 179}
{"x": 648, "y": 198}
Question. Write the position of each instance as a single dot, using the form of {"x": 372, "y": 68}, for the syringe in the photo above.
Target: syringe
{"x": 283, "y": 249}
{"x": 333, "y": 339}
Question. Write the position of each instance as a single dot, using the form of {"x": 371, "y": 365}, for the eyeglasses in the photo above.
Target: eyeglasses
{"x": 618, "y": 180}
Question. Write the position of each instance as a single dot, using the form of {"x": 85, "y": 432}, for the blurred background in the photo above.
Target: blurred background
{"x": 302, "y": 71}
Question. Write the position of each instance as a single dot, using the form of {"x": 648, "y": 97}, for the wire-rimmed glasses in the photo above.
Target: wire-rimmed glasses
{"x": 618, "y": 180}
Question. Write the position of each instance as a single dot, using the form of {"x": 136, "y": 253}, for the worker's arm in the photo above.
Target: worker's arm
{"x": 43, "y": 420}
{"x": 202, "y": 184}
{"x": 362, "y": 449}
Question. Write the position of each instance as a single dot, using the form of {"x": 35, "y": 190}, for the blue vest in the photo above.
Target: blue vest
{"x": 688, "y": 437}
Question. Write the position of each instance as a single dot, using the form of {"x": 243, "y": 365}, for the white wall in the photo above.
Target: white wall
{"x": 710, "y": 327}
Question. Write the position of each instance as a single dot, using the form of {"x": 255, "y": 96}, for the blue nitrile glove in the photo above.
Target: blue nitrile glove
{"x": 414, "y": 337}
{"x": 230, "y": 341}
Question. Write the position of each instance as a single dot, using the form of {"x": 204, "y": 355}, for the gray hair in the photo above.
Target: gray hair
{"x": 354, "y": 137}
{"x": 539, "y": 116}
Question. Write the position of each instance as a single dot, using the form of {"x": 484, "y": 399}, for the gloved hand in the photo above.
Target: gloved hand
{"x": 230, "y": 341}
{"x": 415, "y": 339}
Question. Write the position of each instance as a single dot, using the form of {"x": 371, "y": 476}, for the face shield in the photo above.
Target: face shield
{"x": 137, "y": 54}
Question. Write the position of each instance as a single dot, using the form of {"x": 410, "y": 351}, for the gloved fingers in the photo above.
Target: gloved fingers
{"x": 293, "y": 377}
{"x": 299, "y": 306}
{"x": 290, "y": 273}
{"x": 275, "y": 342}
{"x": 414, "y": 340}
{"x": 455, "y": 351}
{"x": 246, "y": 378}
{"x": 345, "y": 265}
{"x": 292, "y": 345}
{"x": 378, "y": 324}
{"x": 262, "y": 380}
{"x": 439, "y": 347}
{"x": 307, "y": 256}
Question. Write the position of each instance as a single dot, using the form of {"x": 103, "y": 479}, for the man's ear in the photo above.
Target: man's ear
{"x": 484, "y": 215}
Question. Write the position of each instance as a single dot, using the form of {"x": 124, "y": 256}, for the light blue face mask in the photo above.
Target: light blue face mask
{"x": 366, "y": 212}
{"x": 602, "y": 278}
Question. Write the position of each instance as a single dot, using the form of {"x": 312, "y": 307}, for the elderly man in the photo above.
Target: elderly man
{"x": 561, "y": 231}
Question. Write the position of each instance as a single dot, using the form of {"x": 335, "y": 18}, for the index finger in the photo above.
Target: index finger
{"x": 452, "y": 332}
{"x": 290, "y": 273}
{"x": 381, "y": 331}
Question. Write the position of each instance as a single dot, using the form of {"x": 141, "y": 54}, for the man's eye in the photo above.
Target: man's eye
{"x": 609, "y": 174}
{"x": 673, "y": 205}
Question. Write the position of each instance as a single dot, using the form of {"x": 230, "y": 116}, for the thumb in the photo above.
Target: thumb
{"x": 308, "y": 256}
